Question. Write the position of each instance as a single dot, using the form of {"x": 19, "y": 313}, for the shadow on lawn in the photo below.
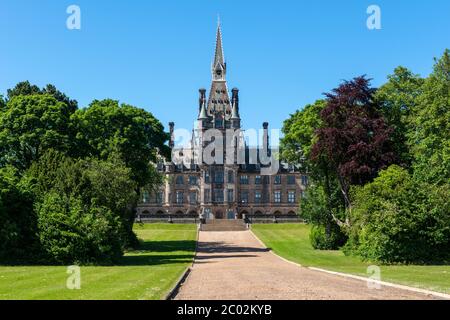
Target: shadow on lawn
{"x": 144, "y": 255}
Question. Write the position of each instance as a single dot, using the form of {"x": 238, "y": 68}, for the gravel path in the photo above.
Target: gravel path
{"x": 235, "y": 266}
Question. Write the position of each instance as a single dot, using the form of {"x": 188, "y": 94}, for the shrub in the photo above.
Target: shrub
{"x": 322, "y": 240}
{"x": 399, "y": 219}
{"x": 70, "y": 232}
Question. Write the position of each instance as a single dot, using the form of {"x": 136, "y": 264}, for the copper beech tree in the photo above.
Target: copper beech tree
{"x": 354, "y": 137}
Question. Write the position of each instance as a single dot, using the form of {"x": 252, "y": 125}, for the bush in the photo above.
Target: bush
{"x": 18, "y": 240}
{"x": 71, "y": 233}
{"x": 322, "y": 240}
{"x": 399, "y": 219}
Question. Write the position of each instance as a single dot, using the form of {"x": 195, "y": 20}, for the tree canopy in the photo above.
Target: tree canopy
{"x": 69, "y": 177}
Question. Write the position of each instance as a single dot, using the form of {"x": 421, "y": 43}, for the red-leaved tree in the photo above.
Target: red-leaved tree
{"x": 354, "y": 139}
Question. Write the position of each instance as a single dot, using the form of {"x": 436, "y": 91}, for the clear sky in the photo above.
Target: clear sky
{"x": 156, "y": 54}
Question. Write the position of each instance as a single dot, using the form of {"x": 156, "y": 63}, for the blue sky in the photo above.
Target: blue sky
{"x": 156, "y": 54}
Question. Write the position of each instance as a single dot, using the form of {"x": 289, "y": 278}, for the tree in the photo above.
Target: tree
{"x": 300, "y": 133}
{"x": 106, "y": 127}
{"x": 25, "y": 88}
{"x": 322, "y": 200}
{"x": 2, "y": 103}
{"x": 73, "y": 233}
{"x": 18, "y": 231}
{"x": 354, "y": 139}
{"x": 397, "y": 100}
{"x": 430, "y": 140}
{"x": 96, "y": 183}
{"x": 397, "y": 218}
{"x": 30, "y": 125}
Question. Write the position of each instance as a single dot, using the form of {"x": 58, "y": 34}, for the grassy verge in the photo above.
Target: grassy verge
{"x": 291, "y": 241}
{"x": 149, "y": 273}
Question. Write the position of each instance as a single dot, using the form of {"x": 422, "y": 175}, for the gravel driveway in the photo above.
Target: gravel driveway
{"x": 235, "y": 266}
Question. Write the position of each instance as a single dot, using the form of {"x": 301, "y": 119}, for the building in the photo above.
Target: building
{"x": 241, "y": 184}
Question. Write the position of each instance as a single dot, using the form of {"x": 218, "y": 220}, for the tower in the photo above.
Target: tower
{"x": 221, "y": 113}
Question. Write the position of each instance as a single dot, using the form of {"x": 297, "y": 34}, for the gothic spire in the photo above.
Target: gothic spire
{"x": 219, "y": 65}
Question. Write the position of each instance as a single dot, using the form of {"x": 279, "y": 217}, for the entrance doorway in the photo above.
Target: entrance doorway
{"x": 219, "y": 215}
{"x": 231, "y": 215}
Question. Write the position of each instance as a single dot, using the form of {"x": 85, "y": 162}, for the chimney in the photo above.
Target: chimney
{"x": 266, "y": 137}
{"x": 171, "y": 141}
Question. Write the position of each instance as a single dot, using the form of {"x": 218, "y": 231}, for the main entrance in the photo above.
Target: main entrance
{"x": 219, "y": 214}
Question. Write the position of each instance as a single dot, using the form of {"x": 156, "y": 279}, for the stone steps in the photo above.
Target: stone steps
{"x": 224, "y": 225}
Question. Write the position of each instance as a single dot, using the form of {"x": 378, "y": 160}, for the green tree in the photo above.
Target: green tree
{"x": 25, "y": 88}
{"x": 397, "y": 218}
{"x": 323, "y": 198}
{"x": 30, "y": 125}
{"x": 2, "y": 103}
{"x": 397, "y": 100}
{"x": 71, "y": 232}
{"x": 97, "y": 183}
{"x": 106, "y": 127}
{"x": 299, "y": 134}
{"x": 18, "y": 228}
{"x": 430, "y": 139}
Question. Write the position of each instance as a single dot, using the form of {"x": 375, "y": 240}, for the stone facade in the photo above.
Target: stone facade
{"x": 227, "y": 189}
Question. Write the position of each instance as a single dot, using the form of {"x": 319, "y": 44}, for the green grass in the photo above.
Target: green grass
{"x": 291, "y": 241}
{"x": 149, "y": 273}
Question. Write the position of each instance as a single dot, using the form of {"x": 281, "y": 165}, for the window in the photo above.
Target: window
{"x": 230, "y": 176}
{"x": 303, "y": 194}
{"x": 180, "y": 180}
{"x": 257, "y": 196}
{"x": 193, "y": 198}
{"x": 180, "y": 196}
{"x": 305, "y": 180}
{"x": 159, "y": 197}
{"x": 277, "y": 197}
{"x": 291, "y": 196}
{"x": 277, "y": 179}
{"x": 180, "y": 167}
{"x": 218, "y": 195}
{"x": 291, "y": 179}
{"x": 244, "y": 179}
{"x": 230, "y": 195}
{"x": 145, "y": 197}
{"x": 193, "y": 180}
{"x": 207, "y": 179}
{"x": 257, "y": 179}
{"x": 207, "y": 196}
{"x": 219, "y": 123}
{"x": 218, "y": 177}
{"x": 244, "y": 196}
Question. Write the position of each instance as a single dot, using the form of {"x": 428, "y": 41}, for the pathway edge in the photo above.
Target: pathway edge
{"x": 347, "y": 275}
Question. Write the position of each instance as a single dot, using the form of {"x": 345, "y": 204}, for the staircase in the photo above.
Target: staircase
{"x": 223, "y": 225}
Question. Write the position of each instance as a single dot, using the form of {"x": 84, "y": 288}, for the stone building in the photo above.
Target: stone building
{"x": 224, "y": 189}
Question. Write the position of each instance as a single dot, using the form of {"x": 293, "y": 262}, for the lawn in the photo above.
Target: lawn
{"x": 149, "y": 273}
{"x": 291, "y": 241}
